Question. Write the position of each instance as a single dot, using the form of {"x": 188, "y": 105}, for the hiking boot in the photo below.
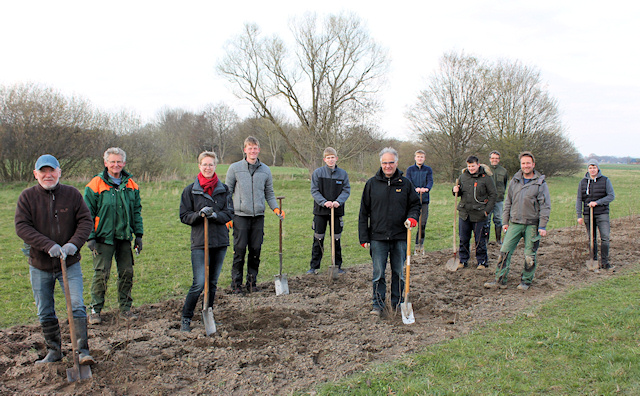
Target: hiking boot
{"x": 94, "y": 318}
{"x": 341, "y": 271}
{"x": 482, "y": 266}
{"x": 463, "y": 265}
{"x": 185, "y": 325}
{"x": 495, "y": 285}
{"x": 252, "y": 288}
{"x": 608, "y": 267}
{"x": 376, "y": 312}
{"x": 128, "y": 315}
{"x": 523, "y": 287}
{"x": 237, "y": 290}
{"x": 312, "y": 272}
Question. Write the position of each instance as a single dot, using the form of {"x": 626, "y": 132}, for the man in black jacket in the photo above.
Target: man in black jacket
{"x": 389, "y": 206}
{"x": 596, "y": 191}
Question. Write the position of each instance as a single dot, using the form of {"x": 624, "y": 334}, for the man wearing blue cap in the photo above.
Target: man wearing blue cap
{"x": 54, "y": 220}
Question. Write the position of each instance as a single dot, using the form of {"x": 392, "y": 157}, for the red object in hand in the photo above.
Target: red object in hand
{"x": 413, "y": 222}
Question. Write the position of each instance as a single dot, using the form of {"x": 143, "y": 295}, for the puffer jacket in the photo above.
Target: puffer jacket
{"x": 193, "y": 199}
{"x": 599, "y": 189}
{"x": 386, "y": 204}
{"x": 527, "y": 203}
{"x": 46, "y": 217}
{"x": 477, "y": 194}
{"x": 250, "y": 190}
{"x": 116, "y": 210}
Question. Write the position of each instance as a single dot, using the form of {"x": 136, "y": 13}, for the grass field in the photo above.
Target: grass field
{"x": 584, "y": 342}
{"x": 163, "y": 270}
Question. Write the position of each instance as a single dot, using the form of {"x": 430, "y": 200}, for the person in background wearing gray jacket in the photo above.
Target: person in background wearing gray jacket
{"x": 250, "y": 183}
{"x": 526, "y": 214}
{"x": 330, "y": 189}
{"x": 595, "y": 191}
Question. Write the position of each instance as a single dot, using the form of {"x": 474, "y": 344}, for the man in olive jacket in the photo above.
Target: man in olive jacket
{"x": 53, "y": 219}
{"x": 114, "y": 201}
{"x": 526, "y": 214}
{"x": 477, "y": 194}
{"x": 500, "y": 179}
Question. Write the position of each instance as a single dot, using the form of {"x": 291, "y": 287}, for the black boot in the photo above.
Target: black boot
{"x": 51, "y": 332}
{"x": 498, "y": 230}
{"x": 83, "y": 345}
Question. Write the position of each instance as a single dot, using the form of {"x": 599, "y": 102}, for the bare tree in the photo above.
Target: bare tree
{"x": 450, "y": 114}
{"x": 523, "y": 116}
{"x": 221, "y": 121}
{"x": 35, "y": 120}
{"x": 327, "y": 83}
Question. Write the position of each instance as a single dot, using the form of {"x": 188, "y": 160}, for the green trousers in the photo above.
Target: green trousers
{"x": 102, "y": 260}
{"x": 531, "y": 243}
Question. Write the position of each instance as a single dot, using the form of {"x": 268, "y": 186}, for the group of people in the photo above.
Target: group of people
{"x": 55, "y": 220}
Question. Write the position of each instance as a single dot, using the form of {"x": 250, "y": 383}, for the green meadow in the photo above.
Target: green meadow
{"x": 580, "y": 343}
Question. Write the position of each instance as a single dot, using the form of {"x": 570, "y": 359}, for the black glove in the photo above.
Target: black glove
{"x": 55, "y": 251}
{"x": 138, "y": 244}
{"x": 91, "y": 244}
{"x": 69, "y": 249}
{"x": 206, "y": 211}
{"x": 213, "y": 215}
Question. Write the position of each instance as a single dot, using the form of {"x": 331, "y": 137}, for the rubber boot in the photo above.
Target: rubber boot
{"x": 498, "y": 230}
{"x": 83, "y": 345}
{"x": 51, "y": 332}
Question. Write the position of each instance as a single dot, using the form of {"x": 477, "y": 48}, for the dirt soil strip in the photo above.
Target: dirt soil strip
{"x": 270, "y": 344}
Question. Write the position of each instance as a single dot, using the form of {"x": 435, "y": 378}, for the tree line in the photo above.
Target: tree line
{"x": 320, "y": 87}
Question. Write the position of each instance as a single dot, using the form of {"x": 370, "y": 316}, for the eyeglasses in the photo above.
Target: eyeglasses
{"x": 207, "y": 165}
{"x": 388, "y": 163}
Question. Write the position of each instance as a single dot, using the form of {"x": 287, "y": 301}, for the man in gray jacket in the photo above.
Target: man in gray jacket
{"x": 250, "y": 184}
{"x": 526, "y": 213}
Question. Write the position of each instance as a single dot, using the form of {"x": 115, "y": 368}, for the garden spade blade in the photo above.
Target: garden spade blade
{"x": 76, "y": 372}
{"x": 405, "y": 307}
{"x": 281, "y": 282}
{"x": 592, "y": 265}
{"x": 207, "y": 312}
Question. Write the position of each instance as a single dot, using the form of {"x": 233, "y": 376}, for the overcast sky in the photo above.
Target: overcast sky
{"x": 147, "y": 55}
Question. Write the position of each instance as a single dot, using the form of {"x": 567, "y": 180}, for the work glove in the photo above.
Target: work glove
{"x": 410, "y": 223}
{"x": 91, "y": 244}
{"x": 229, "y": 224}
{"x": 138, "y": 244}
{"x": 365, "y": 245}
{"x": 69, "y": 249}
{"x": 213, "y": 215}
{"x": 55, "y": 251}
{"x": 279, "y": 212}
{"x": 206, "y": 211}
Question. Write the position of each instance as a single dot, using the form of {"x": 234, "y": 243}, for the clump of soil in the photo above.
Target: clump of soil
{"x": 321, "y": 332}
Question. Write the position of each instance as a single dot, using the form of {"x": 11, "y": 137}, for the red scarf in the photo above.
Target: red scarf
{"x": 208, "y": 185}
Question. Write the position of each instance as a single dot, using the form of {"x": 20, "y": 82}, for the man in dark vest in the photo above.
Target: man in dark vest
{"x": 595, "y": 191}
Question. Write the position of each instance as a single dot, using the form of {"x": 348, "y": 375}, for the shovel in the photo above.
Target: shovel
{"x": 334, "y": 271}
{"x": 454, "y": 262}
{"x": 592, "y": 265}
{"x": 77, "y": 372}
{"x": 282, "y": 285}
{"x": 207, "y": 312}
{"x": 405, "y": 307}
{"x": 419, "y": 248}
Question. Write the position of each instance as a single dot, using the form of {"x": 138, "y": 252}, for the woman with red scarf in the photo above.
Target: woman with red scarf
{"x": 206, "y": 199}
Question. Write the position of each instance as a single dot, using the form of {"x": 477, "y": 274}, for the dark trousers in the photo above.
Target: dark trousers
{"x": 248, "y": 232}
{"x": 481, "y": 232}
{"x": 423, "y": 223}
{"x": 319, "y": 227}
{"x": 602, "y": 227}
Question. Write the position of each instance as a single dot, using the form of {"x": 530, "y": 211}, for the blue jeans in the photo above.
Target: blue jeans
{"x": 216, "y": 259}
{"x": 480, "y": 232}
{"x": 396, "y": 251}
{"x": 43, "y": 283}
{"x": 496, "y": 214}
{"x": 603, "y": 227}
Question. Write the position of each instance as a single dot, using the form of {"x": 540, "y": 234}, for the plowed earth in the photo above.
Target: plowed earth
{"x": 322, "y": 331}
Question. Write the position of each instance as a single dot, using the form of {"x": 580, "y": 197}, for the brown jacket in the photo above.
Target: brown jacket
{"x": 46, "y": 217}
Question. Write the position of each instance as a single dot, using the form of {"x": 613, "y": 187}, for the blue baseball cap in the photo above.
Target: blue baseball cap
{"x": 47, "y": 160}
